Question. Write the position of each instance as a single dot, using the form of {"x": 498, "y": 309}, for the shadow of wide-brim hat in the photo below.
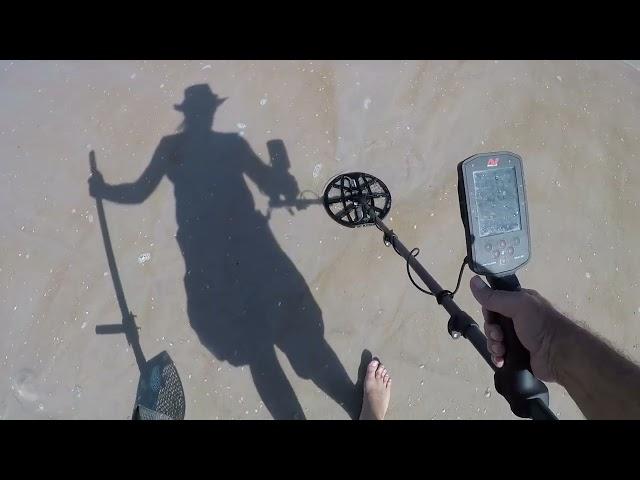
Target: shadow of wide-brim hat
{"x": 199, "y": 98}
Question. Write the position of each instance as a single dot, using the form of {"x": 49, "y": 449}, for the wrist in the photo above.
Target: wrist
{"x": 562, "y": 334}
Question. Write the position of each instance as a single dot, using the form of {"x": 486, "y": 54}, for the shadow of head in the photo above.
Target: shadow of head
{"x": 198, "y": 107}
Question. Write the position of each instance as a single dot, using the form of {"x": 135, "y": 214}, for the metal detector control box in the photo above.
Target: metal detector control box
{"x": 493, "y": 207}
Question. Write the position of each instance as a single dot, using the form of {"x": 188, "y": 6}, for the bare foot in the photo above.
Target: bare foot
{"x": 377, "y": 391}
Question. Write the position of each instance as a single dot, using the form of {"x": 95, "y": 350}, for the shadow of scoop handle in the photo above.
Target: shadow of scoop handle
{"x": 109, "y": 329}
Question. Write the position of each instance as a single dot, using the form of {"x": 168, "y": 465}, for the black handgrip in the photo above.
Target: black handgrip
{"x": 515, "y": 381}
{"x": 516, "y": 356}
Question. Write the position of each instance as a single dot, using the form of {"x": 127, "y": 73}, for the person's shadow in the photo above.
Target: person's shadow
{"x": 244, "y": 295}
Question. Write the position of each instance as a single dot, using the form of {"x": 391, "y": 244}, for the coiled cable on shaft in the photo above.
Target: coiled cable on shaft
{"x": 391, "y": 240}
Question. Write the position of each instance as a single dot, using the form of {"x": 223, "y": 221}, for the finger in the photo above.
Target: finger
{"x": 501, "y": 301}
{"x": 486, "y": 315}
{"x": 497, "y": 348}
{"x": 497, "y": 361}
{"x": 493, "y": 331}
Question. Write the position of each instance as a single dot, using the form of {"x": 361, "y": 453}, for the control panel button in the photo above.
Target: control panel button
{"x": 503, "y": 244}
{"x": 510, "y": 251}
{"x": 503, "y": 261}
{"x": 496, "y": 253}
{"x": 516, "y": 241}
{"x": 487, "y": 246}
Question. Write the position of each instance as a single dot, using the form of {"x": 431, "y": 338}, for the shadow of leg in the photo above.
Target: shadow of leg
{"x": 365, "y": 359}
{"x": 274, "y": 387}
{"x": 318, "y": 362}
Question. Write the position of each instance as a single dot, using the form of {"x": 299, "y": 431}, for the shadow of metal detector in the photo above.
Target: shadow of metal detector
{"x": 160, "y": 395}
{"x": 280, "y": 165}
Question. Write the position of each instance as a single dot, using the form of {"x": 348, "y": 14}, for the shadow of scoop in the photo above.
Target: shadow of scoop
{"x": 160, "y": 393}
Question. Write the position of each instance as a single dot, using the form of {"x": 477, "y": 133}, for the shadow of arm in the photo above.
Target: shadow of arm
{"x": 144, "y": 186}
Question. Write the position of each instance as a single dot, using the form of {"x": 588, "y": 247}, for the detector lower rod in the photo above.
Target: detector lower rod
{"x": 463, "y": 324}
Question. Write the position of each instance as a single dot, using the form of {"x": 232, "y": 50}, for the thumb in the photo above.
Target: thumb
{"x": 500, "y": 301}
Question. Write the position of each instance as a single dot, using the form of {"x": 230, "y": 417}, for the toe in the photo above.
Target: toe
{"x": 385, "y": 379}
{"x": 379, "y": 371}
{"x": 371, "y": 368}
